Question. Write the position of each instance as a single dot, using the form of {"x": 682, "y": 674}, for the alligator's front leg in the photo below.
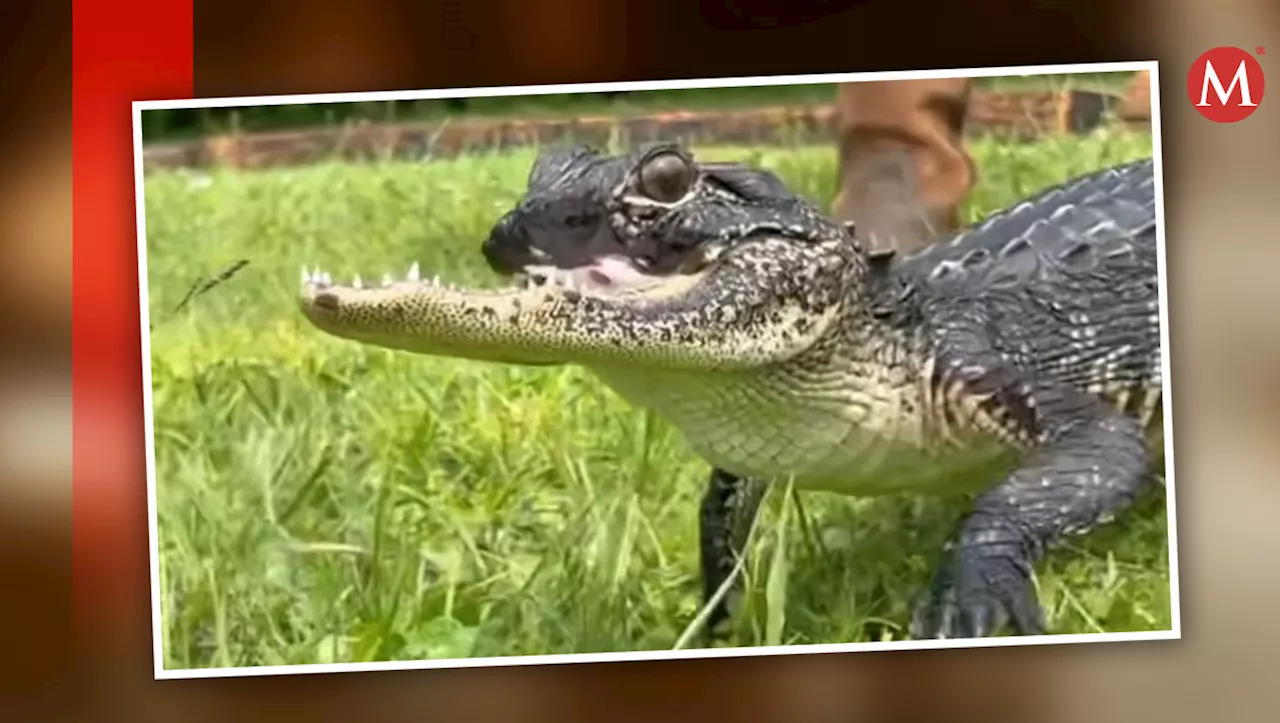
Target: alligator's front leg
{"x": 1088, "y": 463}
{"x": 729, "y": 506}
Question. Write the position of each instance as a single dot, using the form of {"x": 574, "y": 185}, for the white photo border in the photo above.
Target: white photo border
{"x": 161, "y": 673}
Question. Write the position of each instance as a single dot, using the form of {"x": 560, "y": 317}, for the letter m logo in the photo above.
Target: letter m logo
{"x": 1233, "y": 100}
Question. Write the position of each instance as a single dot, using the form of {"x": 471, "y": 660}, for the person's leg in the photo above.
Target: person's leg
{"x": 903, "y": 167}
{"x": 1136, "y": 102}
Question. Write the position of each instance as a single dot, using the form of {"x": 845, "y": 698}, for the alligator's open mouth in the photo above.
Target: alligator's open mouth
{"x": 713, "y": 313}
{"x": 610, "y": 277}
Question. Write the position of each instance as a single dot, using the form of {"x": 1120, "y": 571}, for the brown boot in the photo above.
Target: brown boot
{"x": 903, "y": 167}
{"x": 1136, "y": 103}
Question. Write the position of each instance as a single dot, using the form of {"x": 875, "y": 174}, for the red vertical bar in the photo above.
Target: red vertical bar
{"x": 122, "y": 50}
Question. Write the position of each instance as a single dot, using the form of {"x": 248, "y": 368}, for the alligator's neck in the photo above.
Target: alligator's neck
{"x": 856, "y": 394}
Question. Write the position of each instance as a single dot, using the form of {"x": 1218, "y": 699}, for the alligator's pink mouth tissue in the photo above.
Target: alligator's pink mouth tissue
{"x": 614, "y": 271}
{"x": 606, "y": 274}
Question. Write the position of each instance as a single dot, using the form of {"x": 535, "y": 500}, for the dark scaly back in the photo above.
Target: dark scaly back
{"x": 1068, "y": 281}
{"x": 1123, "y": 196}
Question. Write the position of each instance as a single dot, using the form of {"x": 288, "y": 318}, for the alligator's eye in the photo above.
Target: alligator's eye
{"x": 666, "y": 177}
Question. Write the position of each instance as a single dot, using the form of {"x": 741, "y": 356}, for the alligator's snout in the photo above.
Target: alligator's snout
{"x": 576, "y": 238}
{"x": 743, "y": 310}
{"x": 508, "y": 248}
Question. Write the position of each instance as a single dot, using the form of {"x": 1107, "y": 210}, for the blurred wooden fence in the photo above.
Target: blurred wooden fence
{"x": 1009, "y": 113}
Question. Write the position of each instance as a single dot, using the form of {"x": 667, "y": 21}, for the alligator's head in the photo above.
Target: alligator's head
{"x": 740, "y": 273}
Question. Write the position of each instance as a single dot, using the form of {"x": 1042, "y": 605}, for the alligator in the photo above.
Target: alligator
{"x": 1018, "y": 361}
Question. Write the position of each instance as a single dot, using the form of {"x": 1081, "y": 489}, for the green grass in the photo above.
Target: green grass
{"x": 322, "y": 501}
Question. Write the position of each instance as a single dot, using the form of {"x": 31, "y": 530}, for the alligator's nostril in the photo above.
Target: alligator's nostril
{"x": 326, "y": 300}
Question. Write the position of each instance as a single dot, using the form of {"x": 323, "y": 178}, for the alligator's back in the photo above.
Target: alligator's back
{"x": 1114, "y": 206}
{"x": 1069, "y": 280}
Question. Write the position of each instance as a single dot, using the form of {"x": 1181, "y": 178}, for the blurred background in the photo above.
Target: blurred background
{"x": 1018, "y": 107}
{"x": 1004, "y": 103}
{"x": 1221, "y": 216}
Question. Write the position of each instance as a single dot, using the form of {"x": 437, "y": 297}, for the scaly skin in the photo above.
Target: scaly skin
{"x": 1020, "y": 360}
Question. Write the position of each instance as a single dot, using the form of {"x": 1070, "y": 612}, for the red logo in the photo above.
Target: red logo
{"x": 1225, "y": 84}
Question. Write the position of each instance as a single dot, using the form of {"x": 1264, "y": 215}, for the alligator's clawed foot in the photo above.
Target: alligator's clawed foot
{"x": 976, "y": 597}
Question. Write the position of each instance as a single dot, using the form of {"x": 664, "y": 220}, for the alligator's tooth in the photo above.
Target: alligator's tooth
{"x": 306, "y": 276}
{"x": 357, "y": 283}
{"x": 326, "y": 279}
{"x": 387, "y": 280}
{"x": 435, "y": 281}
{"x": 415, "y": 273}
